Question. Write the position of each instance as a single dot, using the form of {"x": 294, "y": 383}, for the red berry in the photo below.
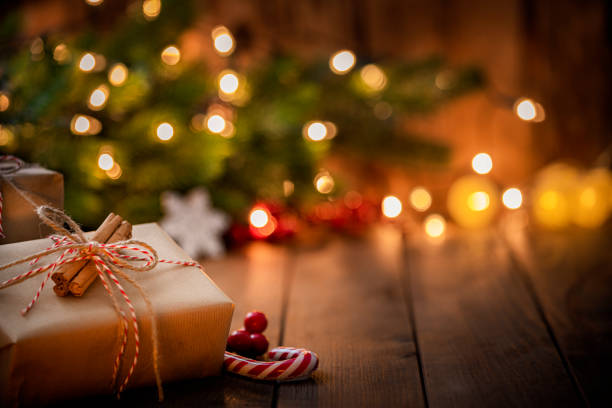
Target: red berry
{"x": 239, "y": 341}
{"x": 259, "y": 344}
{"x": 255, "y": 322}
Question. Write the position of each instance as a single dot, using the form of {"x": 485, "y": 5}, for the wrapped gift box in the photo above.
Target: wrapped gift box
{"x": 19, "y": 221}
{"x": 66, "y": 347}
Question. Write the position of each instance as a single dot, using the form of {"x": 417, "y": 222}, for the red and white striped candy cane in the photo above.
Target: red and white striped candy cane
{"x": 8, "y": 164}
{"x": 289, "y": 364}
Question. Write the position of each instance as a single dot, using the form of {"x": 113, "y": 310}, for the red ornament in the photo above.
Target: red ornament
{"x": 239, "y": 341}
{"x": 255, "y": 322}
{"x": 259, "y": 344}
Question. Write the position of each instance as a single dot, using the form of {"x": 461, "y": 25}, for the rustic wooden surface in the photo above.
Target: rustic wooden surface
{"x": 505, "y": 317}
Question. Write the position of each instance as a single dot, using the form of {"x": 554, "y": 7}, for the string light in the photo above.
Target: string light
{"x": 262, "y": 224}
{"x": 482, "y": 163}
{"x": 259, "y": 217}
{"x": 342, "y": 62}
{"x": 315, "y": 131}
{"x": 478, "y": 201}
{"x": 118, "y": 74}
{"x": 151, "y": 9}
{"x": 434, "y": 225}
{"x": 228, "y": 82}
{"x": 391, "y": 206}
{"x": 61, "y": 53}
{"x": 373, "y": 77}
{"x": 171, "y": 55}
{"x": 324, "y": 183}
{"x": 165, "y": 131}
{"x": 98, "y": 98}
{"x": 215, "y": 123}
{"x": 5, "y": 101}
{"x": 512, "y": 198}
{"x": 420, "y": 199}
{"x": 223, "y": 41}
{"x": 529, "y": 110}
{"x": 105, "y": 161}
{"x": 85, "y": 125}
{"x": 87, "y": 62}
{"x": 94, "y": 2}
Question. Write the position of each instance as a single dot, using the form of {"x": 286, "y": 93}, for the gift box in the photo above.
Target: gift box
{"x": 19, "y": 221}
{"x": 65, "y": 347}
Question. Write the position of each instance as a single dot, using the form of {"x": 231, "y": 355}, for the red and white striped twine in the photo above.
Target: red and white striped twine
{"x": 8, "y": 164}
{"x": 290, "y": 364}
{"x": 110, "y": 260}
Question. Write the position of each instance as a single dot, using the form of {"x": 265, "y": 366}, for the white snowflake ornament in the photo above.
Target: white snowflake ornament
{"x": 194, "y": 223}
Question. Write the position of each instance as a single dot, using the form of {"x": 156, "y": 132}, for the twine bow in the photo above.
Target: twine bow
{"x": 111, "y": 260}
{"x": 8, "y": 164}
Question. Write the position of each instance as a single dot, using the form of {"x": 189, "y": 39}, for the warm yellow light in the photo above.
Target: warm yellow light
{"x": 223, "y": 41}
{"x": 525, "y": 109}
{"x": 215, "y": 123}
{"x": 331, "y": 128}
{"x": 165, "y": 131}
{"x": 229, "y": 130}
{"x": 61, "y": 53}
{"x": 482, "y": 163}
{"x": 97, "y": 99}
{"x": 478, "y": 201}
{"x": 591, "y": 204}
{"x": 5, "y": 101}
{"x": 324, "y": 183}
{"x": 512, "y": 198}
{"x": 6, "y": 136}
{"x": 151, "y": 9}
{"x": 434, "y": 225}
{"x": 94, "y": 2}
{"x": 342, "y": 62}
{"x": 105, "y": 161}
{"x": 81, "y": 124}
{"x": 373, "y": 77}
{"x": 117, "y": 74}
{"x": 228, "y": 82}
{"x": 391, "y": 206}
{"x": 115, "y": 172}
{"x": 420, "y": 199}
{"x": 259, "y": 217}
{"x": 288, "y": 188}
{"x": 87, "y": 62}
{"x": 315, "y": 131}
{"x": 171, "y": 55}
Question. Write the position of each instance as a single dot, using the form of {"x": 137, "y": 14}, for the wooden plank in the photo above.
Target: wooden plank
{"x": 253, "y": 279}
{"x": 481, "y": 339}
{"x": 571, "y": 274}
{"x": 346, "y": 305}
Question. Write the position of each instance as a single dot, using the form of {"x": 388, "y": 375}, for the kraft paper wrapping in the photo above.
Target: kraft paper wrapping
{"x": 19, "y": 220}
{"x": 66, "y": 347}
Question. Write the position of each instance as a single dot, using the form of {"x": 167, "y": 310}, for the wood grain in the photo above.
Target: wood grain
{"x": 481, "y": 339}
{"x": 346, "y": 305}
{"x": 571, "y": 274}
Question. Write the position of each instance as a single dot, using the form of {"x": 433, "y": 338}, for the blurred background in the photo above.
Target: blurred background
{"x": 259, "y": 119}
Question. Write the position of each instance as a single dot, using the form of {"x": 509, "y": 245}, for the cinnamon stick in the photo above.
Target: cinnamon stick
{"x": 66, "y": 272}
{"x": 88, "y": 274}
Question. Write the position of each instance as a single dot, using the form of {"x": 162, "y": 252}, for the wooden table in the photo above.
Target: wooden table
{"x": 505, "y": 317}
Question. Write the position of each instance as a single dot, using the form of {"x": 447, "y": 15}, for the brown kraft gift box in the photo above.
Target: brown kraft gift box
{"x": 19, "y": 221}
{"x": 65, "y": 347}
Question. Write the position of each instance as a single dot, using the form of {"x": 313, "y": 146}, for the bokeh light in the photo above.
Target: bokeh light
{"x": 482, "y": 163}
{"x": 420, "y": 199}
{"x": 94, "y": 2}
{"x": 85, "y": 125}
{"x": 472, "y": 201}
{"x": 512, "y": 198}
{"x": 324, "y": 183}
{"x": 105, "y": 161}
{"x": 434, "y": 225}
{"x": 529, "y": 110}
{"x": 259, "y": 217}
{"x": 478, "y": 201}
{"x": 342, "y": 62}
{"x": 165, "y": 131}
{"x": 171, "y": 55}
{"x": 373, "y": 77}
{"x": 315, "y": 131}
{"x": 115, "y": 172}
{"x": 98, "y": 98}
{"x": 223, "y": 41}
{"x": 118, "y": 74}
{"x": 391, "y": 206}
{"x": 228, "y": 82}
{"x": 215, "y": 123}
{"x": 151, "y": 9}
{"x": 5, "y": 101}
{"x": 61, "y": 53}
{"x": 87, "y": 62}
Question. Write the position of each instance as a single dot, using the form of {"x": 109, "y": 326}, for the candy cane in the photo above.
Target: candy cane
{"x": 290, "y": 364}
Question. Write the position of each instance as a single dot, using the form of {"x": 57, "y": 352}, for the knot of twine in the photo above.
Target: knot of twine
{"x": 8, "y": 164}
{"x": 111, "y": 260}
